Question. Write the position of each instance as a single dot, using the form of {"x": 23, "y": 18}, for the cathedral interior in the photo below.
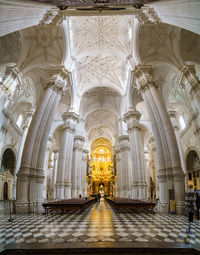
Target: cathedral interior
{"x": 100, "y": 124}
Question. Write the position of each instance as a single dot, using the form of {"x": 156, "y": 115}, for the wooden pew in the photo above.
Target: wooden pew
{"x": 132, "y": 204}
{"x": 70, "y": 204}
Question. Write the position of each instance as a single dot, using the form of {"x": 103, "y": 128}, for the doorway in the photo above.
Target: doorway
{"x": 5, "y": 191}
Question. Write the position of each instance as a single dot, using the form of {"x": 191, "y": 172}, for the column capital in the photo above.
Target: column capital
{"x": 70, "y": 120}
{"x": 124, "y": 142}
{"x": 85, "y": 153}
{"x": 190, "y": 74}
{"x": 117, "y": 150}
{"x": 58, "y": 81}
{"x": 143, "y": 74}
{"x": 132, "y": 118}
{"x": 78, "y": 142}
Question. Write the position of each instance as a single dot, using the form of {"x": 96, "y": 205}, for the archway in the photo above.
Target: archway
{"x": 193, "y": 170}
{"x": 8, "y": 161}
{"x": 7, "y": 171}
{"x": 102, "y": 173}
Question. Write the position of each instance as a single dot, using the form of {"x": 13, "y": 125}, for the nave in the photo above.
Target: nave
{"x": 99, "y": 223}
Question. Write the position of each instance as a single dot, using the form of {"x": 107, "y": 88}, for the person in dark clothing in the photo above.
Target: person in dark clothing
{"x": 197, "y": 202}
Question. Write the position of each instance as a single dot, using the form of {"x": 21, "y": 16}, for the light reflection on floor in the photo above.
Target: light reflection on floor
{"x": 99, "y": 223}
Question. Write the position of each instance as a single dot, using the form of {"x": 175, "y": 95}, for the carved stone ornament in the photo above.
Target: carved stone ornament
{"x": 24, "y": 88}
{"x": 58, "y": 81}
{"x": 132, "y": 118}
{"x": 148, "y": 16}
{"x": 11, "y": 75}
{"x": 190, "y": 74}
{"x": 52, "y": 17}
{"x": 99, "y": 94}
{"x": 144, "y": 77}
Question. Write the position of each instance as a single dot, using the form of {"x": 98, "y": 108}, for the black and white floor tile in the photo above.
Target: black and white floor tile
{"x": 99, "y": 223}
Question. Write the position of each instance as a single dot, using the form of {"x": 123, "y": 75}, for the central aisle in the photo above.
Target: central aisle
{"x": 99, "y": 223}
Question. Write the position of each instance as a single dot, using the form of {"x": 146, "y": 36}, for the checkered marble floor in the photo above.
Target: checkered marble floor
{"x": 99, "y": 223}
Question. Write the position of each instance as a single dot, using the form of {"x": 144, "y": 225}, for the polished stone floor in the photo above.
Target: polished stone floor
{"x": 99, "y": 223}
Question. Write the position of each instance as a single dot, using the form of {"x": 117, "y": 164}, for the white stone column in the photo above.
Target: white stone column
{"x": 119, "y": 184}
{"x": 125, "y": 165}
{"x": 63, "y": 182}
{"x": 171, "y": 175}
{"x": 156, "y": 170}
{"x": 47, "y": 167}
{"x": 54, "y": 174}
{"x": 84, "y": 172}
{"x": 79, "y": 140}
{"x": 24, "y": 177}
{"x": 31, "y": 173}
{"x": 21, "y": 147}
{"x": 137, "y": 151}
{"x": 147, "y": 175}
{"x": 74, "y": 171}
{"x": 172, "y": 115}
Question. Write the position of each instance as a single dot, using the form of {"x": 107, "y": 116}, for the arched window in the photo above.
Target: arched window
{"x": 19, "y": 121}
{"x": 182, "y": 122}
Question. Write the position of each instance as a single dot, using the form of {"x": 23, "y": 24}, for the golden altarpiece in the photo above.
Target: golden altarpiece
{"x": 102, "y": 174}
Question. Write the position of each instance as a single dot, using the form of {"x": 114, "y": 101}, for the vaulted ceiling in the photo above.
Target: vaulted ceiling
{"x": 100, "y": 47}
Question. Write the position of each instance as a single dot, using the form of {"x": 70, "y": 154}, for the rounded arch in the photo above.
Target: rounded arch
{"x": 8, "y": 161}
{"x": 101, "y": 142}
{"x": 192, "y": 148}
{"x": 193, "y": 170}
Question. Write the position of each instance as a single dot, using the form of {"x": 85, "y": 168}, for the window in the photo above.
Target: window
{"x": 182, "y": 122}
{"x": 19, "y": 121}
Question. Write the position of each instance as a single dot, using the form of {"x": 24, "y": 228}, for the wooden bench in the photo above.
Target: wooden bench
{"x": 132, "y": 204}
{"x": 70, "y": 204}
